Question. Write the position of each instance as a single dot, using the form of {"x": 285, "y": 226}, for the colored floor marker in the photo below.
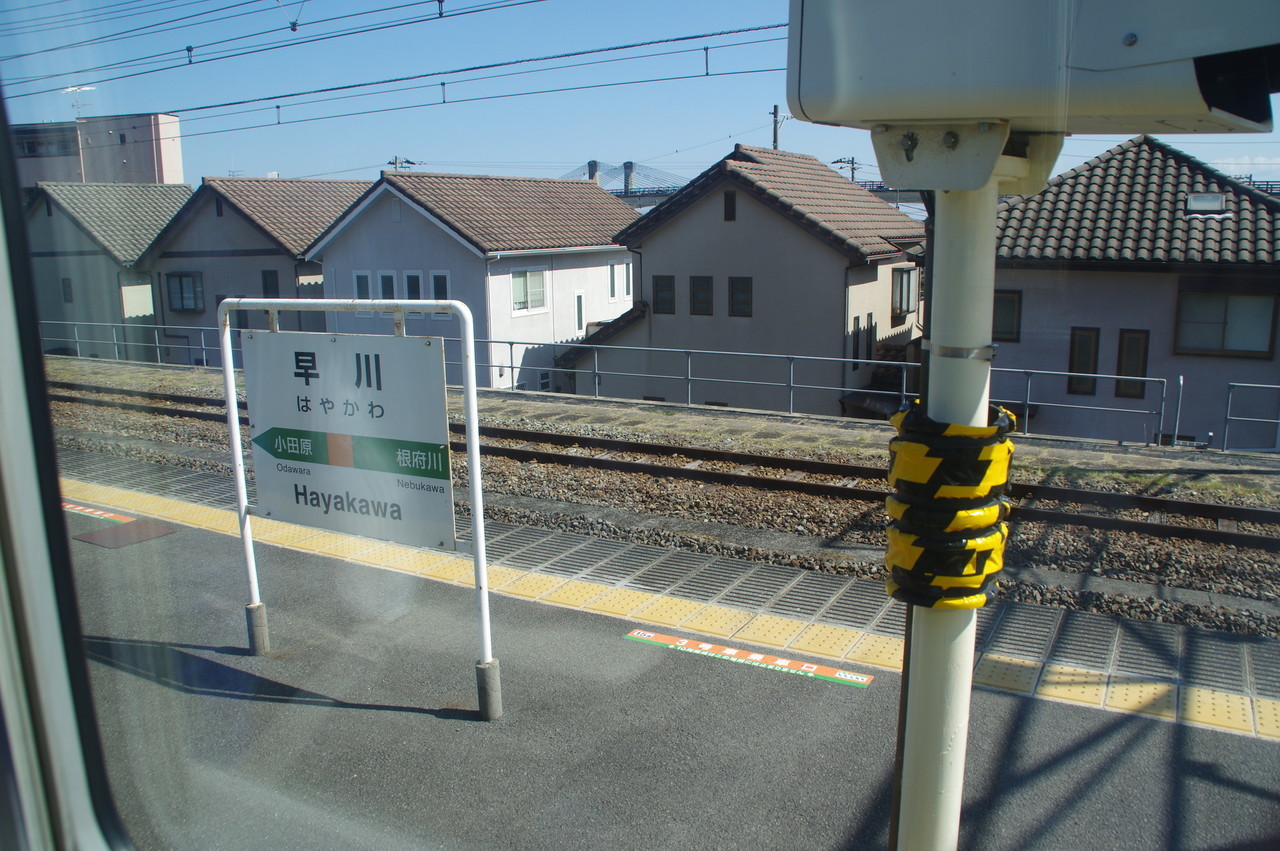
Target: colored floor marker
{"x": 96, "y": 512}
{"x": 746, "y": 657}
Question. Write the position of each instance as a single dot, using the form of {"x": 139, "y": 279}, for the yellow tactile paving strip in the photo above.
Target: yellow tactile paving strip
{"x": 1236, "y": 713}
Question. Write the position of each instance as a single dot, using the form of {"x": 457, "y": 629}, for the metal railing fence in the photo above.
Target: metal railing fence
{"x": 1235, "y": 388}
{"x": 786, "y": 373}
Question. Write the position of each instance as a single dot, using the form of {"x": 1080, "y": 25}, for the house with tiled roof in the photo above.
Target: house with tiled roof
{"x": 1146, "y": 263}
{"x": 241, "y": 237}
{"x": 87, "y": 245}
{"x": 532, "y": 258}
{"x": 768, "y": 252}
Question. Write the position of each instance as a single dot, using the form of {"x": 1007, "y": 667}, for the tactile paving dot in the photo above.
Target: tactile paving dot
{"x": 575, "y": 593}
{"x": 770, "y": 629}
{"x": 668, "y": 611}
{"x": 1006, "y": 672}
{"x": 1211, "y": 708}
{"x": 826, "y": 640}
{"x": 1134, "y": 694}
{"x": 450, "y": 570}
{"x": 1267, "y": 714}
{"x": 533, "y": 585}
{"x": 717, "y": 620}
{"x": 1076, "y": 685}
{"x": 496, "y": 575}
{"x": 882, "y": 651}
{"x": 620, "y": 601}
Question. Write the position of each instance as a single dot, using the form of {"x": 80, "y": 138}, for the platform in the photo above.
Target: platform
{"x": 1085, "y": 729}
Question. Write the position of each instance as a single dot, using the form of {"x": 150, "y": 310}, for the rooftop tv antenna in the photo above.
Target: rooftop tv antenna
{"x": 77, "y": 104}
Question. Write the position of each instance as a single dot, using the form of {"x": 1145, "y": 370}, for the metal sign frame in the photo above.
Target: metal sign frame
{"x": 487, "y": 677}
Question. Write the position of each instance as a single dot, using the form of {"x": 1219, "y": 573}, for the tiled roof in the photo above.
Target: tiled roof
{"x": 517, "y": 213}
{"x": 1130, "y": 205}
{"x": 291, "y": 211}
{"x": 803, "y": 189}
{"x": 123, "y": 217}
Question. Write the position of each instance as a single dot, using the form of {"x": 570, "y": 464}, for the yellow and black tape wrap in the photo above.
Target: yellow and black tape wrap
{"x": 947, "y": 529}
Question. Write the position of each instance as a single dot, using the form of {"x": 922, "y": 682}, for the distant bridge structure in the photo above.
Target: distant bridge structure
{"x": 638, "y": 185}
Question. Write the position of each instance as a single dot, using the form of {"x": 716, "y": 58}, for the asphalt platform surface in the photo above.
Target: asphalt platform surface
{"x": 360, "y": 729}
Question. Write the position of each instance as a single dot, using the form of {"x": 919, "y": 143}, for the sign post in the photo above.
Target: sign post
{"x": 350, "y": 433}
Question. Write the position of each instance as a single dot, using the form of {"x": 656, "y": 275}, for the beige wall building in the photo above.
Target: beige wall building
{"x": 102, "y": 149}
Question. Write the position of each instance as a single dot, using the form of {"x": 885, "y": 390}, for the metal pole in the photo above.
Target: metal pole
{"x": 1026, "y": 405}
{"x": 688, "y": 378}
{"x": 488, "y": 685}
{"x": 255, "y": 612}
{"x": 791, "y": 384}
{"x": 1177, "y": 415}
{"x": 1226, "y": 422}
{"x": 940, "y": 678}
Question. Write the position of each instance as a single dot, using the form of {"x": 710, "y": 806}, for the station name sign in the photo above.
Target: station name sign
{"x": 351, "y": 433}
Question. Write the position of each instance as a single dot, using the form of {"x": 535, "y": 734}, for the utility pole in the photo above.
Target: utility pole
{"x": 852, "y": 164}
{"x": 776, "y": 124}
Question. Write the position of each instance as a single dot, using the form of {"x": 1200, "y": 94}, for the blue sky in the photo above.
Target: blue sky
{"x": 710, "y": 92}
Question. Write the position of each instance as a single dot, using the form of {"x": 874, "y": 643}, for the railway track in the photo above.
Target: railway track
{"x": 1161, "y": 517}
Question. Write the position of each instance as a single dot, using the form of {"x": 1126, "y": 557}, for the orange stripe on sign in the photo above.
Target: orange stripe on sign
{"x": 340, "y": 452}
{"x": 750, "y": 657}
{"x": 96, "y": 512}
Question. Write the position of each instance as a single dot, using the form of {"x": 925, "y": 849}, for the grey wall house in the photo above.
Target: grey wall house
{"x": 100, "y": 149}
{"x": 533, "y": 259}
{"x": 766, "y": 251}
{"x": 241, "y": 237}
{"x": 92, "y": 288}
{"x": 1141, "y": 262}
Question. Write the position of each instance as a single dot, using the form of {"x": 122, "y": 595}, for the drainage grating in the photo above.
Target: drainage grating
{"x": 859, "y": 605}
{"x": 987, "y": 618}
{"x": 1024, "y": 631}
{"x": 582, "y": 559}
{"x": 667, "y": 572}
{"x": 1085, "y": 640}
{"x": 625, "y": 564}
{"x": 712, "y": 580}
{"x": 759, "y": 587}
{"x": 1264, "y": 665}
{"x": 534, "y": 557}
{"x": 1213, "y": 660}
{"x": 499, "y": 546}
{"x": 1148, "y": 648}
{"x": 809, "y": 595}
{"x": 892, "y": 619}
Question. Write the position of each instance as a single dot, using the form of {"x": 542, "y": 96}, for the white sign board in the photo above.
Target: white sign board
{"x": 351, "y": 433}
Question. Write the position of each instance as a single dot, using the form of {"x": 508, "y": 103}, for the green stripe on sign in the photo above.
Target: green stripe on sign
{"x": 376, "y": 454}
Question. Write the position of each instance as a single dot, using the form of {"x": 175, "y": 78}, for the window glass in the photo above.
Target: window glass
{"x": 664, "y": 294}
{"x": 700, "y": 303}
{"x": 1006, "y": 321}
{"x": 527, "y": 290}
{"x": 1131, "y": 359}
{"x": 186, "y": 291}
{"x": 740, "y": 297}
{"x": 1083, "y": 358}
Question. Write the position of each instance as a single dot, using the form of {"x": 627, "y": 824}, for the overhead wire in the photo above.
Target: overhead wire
{"x": 79, "y": 17}
{"x": 249, "y": 51}
{"x": 494, "y": 65}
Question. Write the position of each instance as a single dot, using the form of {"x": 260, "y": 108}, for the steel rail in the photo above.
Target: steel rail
{"x": 1021, "y": 492}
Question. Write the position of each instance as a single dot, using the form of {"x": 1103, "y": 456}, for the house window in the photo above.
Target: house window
{"x": 869, "y": 341}
{"x": 1006, "y": 321}
{"x": 730, "y": 206}
{"x": 544, "y": 381}
{"x": 664, "y": 293}
{"x": 270, "y": 283}
{"x": 740, "y": 297}
{"x": 387, "y": 285}
{"x": 906, "y": 294}
{"x": 613, "y": 282}
{"x": 579, "y": 313}
{"x": 700, "y": 295}
{"x": 1083, "y": 357}
{"x": 528, "y": 290}
{"x": 186, "y": 291}
{"x": 122, "y": 139}
{"x": 1229, "y": 324}
{"x": 67, "y": 295}
{"x": 440, "y": 286}
{"x": 362, "y": 284}
{"x": 855, "y": 341}
{"x": 1131, "y": 359}
{"x": 413, "y": 286}
{"x": 626, "y": 286}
